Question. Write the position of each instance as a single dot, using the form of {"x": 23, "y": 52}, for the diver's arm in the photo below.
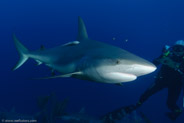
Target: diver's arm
{"x": 165, "y": 53}
{"x": 156, "y": 61}
{"x": 181, "y": 67}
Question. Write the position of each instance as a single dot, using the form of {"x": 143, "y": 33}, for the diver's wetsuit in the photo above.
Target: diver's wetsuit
{"x": 167, "y": 78}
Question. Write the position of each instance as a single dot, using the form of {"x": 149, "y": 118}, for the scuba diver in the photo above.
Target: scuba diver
{"x": 170, "y": 76}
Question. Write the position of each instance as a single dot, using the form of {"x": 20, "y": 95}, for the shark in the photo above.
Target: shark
{"x": 87, "y": 59}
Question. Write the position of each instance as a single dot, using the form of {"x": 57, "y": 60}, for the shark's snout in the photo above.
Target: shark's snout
{"x": 151, "y": 68}
{"x": 143, "y": 69}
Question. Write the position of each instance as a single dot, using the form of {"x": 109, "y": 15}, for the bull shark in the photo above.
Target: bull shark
{"x": 88, "y": 60}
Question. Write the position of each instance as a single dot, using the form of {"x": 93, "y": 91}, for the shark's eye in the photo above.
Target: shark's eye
{"x": 117, "y": 61}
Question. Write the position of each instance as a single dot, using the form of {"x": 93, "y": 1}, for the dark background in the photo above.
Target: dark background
{"x": 147, "y": 24}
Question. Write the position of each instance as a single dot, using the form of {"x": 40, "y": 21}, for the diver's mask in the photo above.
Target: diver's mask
{"x": 178, "y": 50}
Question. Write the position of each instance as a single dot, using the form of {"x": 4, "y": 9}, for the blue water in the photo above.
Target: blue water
{"x": 147, "y": 24}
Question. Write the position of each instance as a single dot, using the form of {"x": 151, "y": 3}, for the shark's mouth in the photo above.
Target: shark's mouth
{"x": 117, "y": 77}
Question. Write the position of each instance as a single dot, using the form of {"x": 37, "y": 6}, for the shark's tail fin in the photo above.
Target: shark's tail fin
{"x": 22, "y": 50}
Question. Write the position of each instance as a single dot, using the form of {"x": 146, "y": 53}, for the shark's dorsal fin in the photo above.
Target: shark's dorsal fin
{"x": 82, "y": 33}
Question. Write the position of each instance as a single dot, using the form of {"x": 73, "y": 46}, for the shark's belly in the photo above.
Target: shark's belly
{"x": 108, "y": 76}
{"x": 116, "y": 77}
{"x": 64, "y": 69}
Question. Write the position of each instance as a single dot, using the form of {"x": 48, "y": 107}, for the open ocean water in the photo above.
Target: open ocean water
{"x": 142, "y": 27}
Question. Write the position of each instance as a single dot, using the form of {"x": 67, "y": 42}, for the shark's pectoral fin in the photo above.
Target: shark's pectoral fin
{"x": 61, "y": 76}
{"x": 71, "y": 43}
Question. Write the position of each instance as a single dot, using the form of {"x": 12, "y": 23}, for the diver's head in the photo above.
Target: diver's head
{"x": 180, "y": 42}
{"x": 178, "y": 48}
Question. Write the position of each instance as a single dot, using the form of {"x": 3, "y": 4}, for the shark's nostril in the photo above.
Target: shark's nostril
{"x": 118, "y": 61}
